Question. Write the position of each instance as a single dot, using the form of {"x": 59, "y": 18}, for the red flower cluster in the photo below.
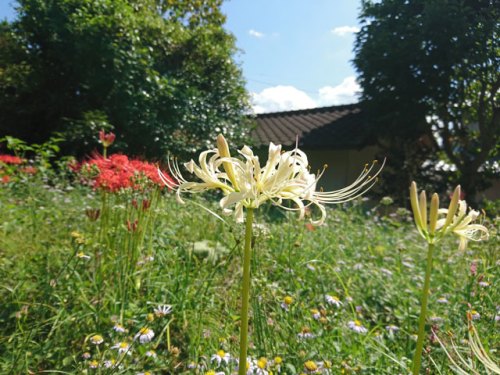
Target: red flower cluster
{"x": 119, "y": 172}
{"x": 10, "y": 159}
{"x": 10, "y": 167}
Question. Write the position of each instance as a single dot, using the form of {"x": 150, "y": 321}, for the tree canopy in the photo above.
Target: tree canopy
{"x": 160, "y": 73}
{"x": 432, "y": 68}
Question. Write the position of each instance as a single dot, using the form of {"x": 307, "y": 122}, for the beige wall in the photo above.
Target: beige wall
{"x": 343, "y": 165}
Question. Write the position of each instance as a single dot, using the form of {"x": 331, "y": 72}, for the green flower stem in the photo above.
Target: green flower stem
{"x": 417, "y": 358}
{"x": 245, "y": 293}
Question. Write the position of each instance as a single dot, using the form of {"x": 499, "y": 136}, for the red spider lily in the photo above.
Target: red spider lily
{"x": 5, "y": 179}
{"x": 146, "y": 203}
{"x": 11, "y": 159}
{"x": 106, "y": 139}
{"x": 29, "y": 170}
{"x": 118, "y": 172}
{"x": 132, "y": 226}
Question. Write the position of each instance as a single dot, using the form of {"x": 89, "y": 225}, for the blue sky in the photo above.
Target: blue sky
{"x": 294, "y": 53}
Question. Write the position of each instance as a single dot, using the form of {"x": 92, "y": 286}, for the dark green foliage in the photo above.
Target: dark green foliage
{"x": 430, "y": 72}
{"x": 161, "y": 74}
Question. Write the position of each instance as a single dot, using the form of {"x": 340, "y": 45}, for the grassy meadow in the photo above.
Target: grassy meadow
{"x": 132, "y": 282}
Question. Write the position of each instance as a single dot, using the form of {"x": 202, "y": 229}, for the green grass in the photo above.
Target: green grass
{"x": 53, "y": 301}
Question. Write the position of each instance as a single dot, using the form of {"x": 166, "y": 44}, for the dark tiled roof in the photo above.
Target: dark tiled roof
{"x": 337, "y": 127}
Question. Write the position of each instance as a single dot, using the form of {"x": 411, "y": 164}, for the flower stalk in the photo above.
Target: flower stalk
{"x": 433, "y": 226}
{"x": 417, "y": 357}
{"x": 245, "y": 292}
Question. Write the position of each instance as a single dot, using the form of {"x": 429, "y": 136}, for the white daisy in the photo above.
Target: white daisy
{"x": 392, "y": 328}
{"x": 333, "y": 300}
{"x": 221, "y": 356}
{"x": 386, "y": 272}
{"x": 110, "y": 363}
{"x": 162, "y": 310}
{"x": 305, "y": 334}
{"x": 442, "y": 300}
{"x": 287, "y": 301}
{"x": 316, "y": 314}
{"x": 97, "y": 339}
{"x": 357, "y": 326}
{"x": 150, "y": 354}
{"x": 122, "y": 347}
{"x": 119, "y": 328}
{"x": 475, "y": 315}
{"x": 82, "y": 255}
{"x": 260, "y": 366}
{"x": 436, "y": 319}
{"x": 145, "y": 335}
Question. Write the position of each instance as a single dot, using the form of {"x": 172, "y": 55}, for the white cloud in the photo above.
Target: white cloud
{"x": 345, "y": 30}
{"x": 255, "y": 33}
{"x": 281, "y": 98}
{"x": 345, "y": 93}
{"x": 288, "y": 98}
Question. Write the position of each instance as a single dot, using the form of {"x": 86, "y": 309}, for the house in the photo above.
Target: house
{"x": 338, "y": 136}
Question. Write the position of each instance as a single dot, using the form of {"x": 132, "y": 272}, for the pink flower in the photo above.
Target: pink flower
{"x": 106, "y": 139}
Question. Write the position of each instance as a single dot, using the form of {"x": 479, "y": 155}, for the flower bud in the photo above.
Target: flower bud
{"x": 106, "y": 139}
{"x": 433, "y": 214}
{"x": 452, "y": 209}
{"x": 423, "y": 210}
{"x": 223, "y": 148}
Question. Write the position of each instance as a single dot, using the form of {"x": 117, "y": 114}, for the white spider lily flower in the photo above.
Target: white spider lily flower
{"x": 247, "y": 184}
{"x": 454, "y": 219}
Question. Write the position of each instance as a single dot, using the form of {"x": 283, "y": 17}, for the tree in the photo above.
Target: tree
{"x": 161, "y": 73}
{"x": 430, "y": 73}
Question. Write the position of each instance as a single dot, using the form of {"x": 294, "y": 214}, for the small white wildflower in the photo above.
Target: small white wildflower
{"x": 484, "y": 284}
{"x": 436, "y": 319}
{"x": 287, "y": 301}
{"x": 475, "y": 315}
{"x": 260, "y": 366}
{"x": 407, "y": 264}
{"x": 386, "y": 272}
{"x": 221, "y": 356}
{"x": 145, "y": 335}
{"x": 119, "y": 328}
{"x": 442, "y": 300}
{"x": 316, "y": 314}
{"x": 333, "y": 300}
{"x": 305, "y": 334}
{"x": 150, "y": 354}
{"x": 82, "y": 255}
{"x": 122, "y": 347}
{"x": 357, "y": 326}
{"x": 162, "y": 310}
{"x": 110, "y": 363}
{"x": 97, "y": 339}
{"x": 392, "y": 328}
